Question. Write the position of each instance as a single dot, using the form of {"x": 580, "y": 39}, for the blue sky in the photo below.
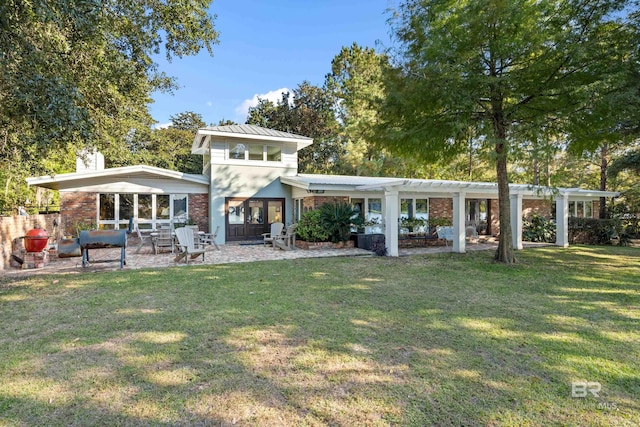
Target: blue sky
{"x": 266, "y": 46}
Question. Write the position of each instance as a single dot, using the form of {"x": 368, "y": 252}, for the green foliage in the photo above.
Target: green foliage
{"x": 309, "y": 113}
{"x": 411, "y": 223}
{"x": 82, "y": 225}
{"x": 379, "y": 249}
{"x": 538, "y": 229}
{"x": 629, "y": 161}
{"x": 593, "y": 231}
{"x": 356, "y": 83}
{"x": 188, "y": 121}
{"x": 310, "y": 227}
{"x": 338, "y": 219}
{"x": 439, "y": 222}
{"x": 81, "y": 73}
{"x": 505, "y": 70}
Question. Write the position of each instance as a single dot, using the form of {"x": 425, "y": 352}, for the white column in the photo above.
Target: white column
{"x": 516, "y": 220}
{"x": 459, "y": 238}
{"x": 562, "y": 220}
{"x": 391, "y": 213}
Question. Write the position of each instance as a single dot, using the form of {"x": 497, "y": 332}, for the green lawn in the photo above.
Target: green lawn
{"x": 425, "y": 340}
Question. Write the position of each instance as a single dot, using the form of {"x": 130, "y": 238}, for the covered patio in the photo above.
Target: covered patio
{"x": 460, "y": 191}
{"x": 393, "y": 190}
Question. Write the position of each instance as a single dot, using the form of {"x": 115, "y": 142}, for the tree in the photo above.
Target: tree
{"x": 168, "y": 148}
{"x": 502, "y": 68}
{"x": 356, "y": 83}
{"x": 309, "y": 111}
{"x": 81, "y": 72}
{"x": 188, "y": 121}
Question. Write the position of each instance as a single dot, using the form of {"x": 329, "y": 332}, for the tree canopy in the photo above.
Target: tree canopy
{"x": 77, "y": 73}
{"x": 308, "y": 111}
{"x": 504, "y": 69}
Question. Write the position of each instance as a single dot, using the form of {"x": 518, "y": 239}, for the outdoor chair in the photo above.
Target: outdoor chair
{"x": 445, "y": 233}
{"x": 276, "y": 230}
{"x": 286, "y": 241}
{"x": 210, "y": 238}
{"x": 142, "y": 239}
{"x": 196, "y": 233}
{"x": 187, "y": 246}
{"x": 472, "y": 233}
{"x": 162, "y": 239}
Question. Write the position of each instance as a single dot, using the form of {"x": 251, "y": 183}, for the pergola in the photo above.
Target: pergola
{"x": 459, "y": 191}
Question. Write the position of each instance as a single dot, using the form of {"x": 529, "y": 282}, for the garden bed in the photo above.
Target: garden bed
{"x": 419, "y": 241}
{"x": 302, "y": 244}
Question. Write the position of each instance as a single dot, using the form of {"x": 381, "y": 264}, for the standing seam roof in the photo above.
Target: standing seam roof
{"x": 255, "y": 130}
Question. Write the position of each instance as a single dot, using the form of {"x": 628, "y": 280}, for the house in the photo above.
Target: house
{"x": 250, "y": 179}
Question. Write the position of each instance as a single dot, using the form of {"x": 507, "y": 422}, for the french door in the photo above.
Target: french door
{"x": 247, "y": 219}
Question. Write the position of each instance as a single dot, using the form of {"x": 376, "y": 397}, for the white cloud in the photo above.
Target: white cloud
{"x": 209, "y": 104}
{"x": 162, "y": 125}
{"x": 274, "y": 96}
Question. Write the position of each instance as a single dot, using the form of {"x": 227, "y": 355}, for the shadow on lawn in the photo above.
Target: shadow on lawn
{"x": 381, "y": 341}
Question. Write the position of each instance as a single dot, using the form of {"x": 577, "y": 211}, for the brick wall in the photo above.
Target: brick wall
{"x": 78, "y": 207}
{"x": 441, "y": 208}
{"x": 540, "y": 207}
{"x": 314, "y": 202}
{"x": 199, "y": 210}
{"x": 12, "y": 228}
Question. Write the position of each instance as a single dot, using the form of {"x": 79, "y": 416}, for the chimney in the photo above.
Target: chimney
{"x": 89, "y": 160}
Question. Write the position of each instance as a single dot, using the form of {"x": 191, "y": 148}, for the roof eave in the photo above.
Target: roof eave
{"x": 51, "y": 181}
{"x": 300, "y": 142}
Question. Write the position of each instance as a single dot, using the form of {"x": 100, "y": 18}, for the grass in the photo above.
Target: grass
{"x": 423, "y": 340}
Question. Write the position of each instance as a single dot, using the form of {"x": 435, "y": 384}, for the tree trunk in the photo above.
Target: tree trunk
{"x": 604, "y": 163}
{"x": 505, "y": 252}
{"x": 536, "y": 172}
{"x": 470, "y": 170}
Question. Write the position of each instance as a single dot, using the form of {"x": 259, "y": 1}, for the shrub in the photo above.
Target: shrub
{"x": 379, "y": 249}
{"x": 538, "y": 229}
{"x": 310, "y": 227}
{"x": 439, "y": 222}
{"x": 338, "y": 219}
{"x": 592, "y": 231}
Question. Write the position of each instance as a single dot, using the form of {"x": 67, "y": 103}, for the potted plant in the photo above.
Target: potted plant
{"x": 436, "y": 222}
{"x": 372, "y": 225}
{"x": 411, "y": 224}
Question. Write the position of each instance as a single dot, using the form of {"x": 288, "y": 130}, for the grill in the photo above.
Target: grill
{"x": 103, "y": 239}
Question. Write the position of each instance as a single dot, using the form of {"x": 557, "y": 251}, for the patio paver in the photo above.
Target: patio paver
{"x": 109, "y": 259}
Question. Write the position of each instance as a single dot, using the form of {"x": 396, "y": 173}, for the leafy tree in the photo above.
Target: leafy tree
{"x": 356, "y": 83}
{"x": 629, "y": 161}
{"x": 168, "y": 148}
{"x": 188, "y": 121}
{"x": 309, "y": 111}
{"x": 81, "y": 73}
{"x": 501, "y": 68}
{"x": 226, "y": 122}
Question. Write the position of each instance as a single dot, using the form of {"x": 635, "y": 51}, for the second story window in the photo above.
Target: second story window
{"x": 255, "y": 152}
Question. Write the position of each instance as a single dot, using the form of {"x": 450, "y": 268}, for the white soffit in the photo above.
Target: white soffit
{"x": 88, "y": 178}
{"x": 485, "y": 189}
{"x": 201, "y": 142}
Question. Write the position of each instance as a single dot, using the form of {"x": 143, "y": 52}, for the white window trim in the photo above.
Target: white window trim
{"x": 154, "y": 221}
{"x": 227, "y": 154}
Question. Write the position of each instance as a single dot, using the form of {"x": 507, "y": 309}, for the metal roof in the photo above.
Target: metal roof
{"x": 205, "y": 135}
{"x": 255, "y": 131}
